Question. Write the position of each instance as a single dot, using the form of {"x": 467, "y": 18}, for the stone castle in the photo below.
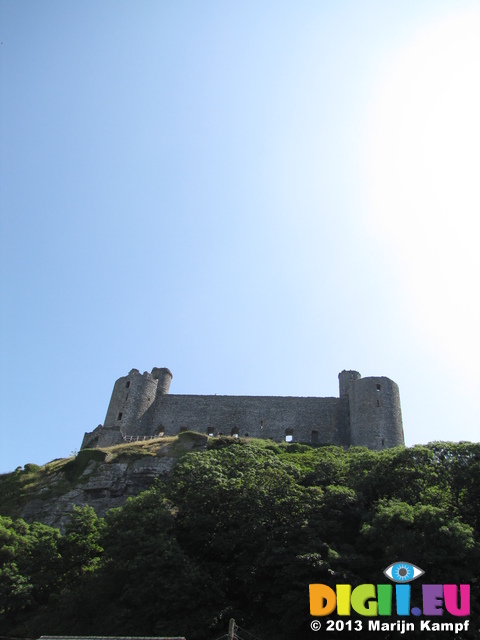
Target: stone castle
{"x": 367, "y": 413}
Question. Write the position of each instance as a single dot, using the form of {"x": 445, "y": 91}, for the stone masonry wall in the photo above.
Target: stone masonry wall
{"x": 322, "y": 420}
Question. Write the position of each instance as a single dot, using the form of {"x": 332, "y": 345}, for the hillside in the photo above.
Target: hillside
{"x": 102, "y": 478}
{"x": 233, "y": 528}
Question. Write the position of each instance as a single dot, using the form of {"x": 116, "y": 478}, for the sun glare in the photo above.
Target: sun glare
{"x": 423, "y": 176}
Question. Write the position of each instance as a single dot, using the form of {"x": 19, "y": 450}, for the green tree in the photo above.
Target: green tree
{"x": 80, "y": 546}
{"x": 30, "y": 568}
{"x": 149, "y": 584}
{"x": 424, "y": 535}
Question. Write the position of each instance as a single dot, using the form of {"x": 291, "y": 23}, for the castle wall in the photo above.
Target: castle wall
{"x": 367, "y": 413}
{"x": 102, "y": 437}
{"x": 255, "y": 417}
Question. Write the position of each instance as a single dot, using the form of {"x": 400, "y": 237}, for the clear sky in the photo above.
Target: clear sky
{"x": 254, "y": 194}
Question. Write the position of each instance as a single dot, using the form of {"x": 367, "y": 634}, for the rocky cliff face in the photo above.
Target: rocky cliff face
{"x": 102, "y": 478}
{"x": 102, "y": 485}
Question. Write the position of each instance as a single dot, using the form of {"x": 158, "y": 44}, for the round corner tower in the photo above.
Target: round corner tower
{"x": 375, "y": 414}
{"x": 345, "y": 378}
{"x": 164, "y": 378}
{"x": 132, "y": 397}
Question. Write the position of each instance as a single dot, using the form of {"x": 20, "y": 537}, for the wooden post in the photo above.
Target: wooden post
{"x": 231, "y": 629}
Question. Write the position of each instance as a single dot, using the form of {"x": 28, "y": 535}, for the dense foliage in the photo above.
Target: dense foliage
{"x": 240, "y": 530}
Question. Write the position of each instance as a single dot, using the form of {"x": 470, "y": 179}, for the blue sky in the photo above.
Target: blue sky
{"x": 256, "y": 195}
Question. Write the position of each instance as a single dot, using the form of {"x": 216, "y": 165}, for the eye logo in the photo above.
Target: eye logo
{"x": 403, "y": 572}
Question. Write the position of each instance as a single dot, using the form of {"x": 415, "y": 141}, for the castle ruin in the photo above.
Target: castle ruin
{"x": 367, "y": 413}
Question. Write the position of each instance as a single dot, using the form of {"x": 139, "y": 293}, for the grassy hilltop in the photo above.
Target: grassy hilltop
{"x": 236, "y": 528}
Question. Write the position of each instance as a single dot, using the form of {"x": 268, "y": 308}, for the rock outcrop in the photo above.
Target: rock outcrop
{"x": 103, "y": 478}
